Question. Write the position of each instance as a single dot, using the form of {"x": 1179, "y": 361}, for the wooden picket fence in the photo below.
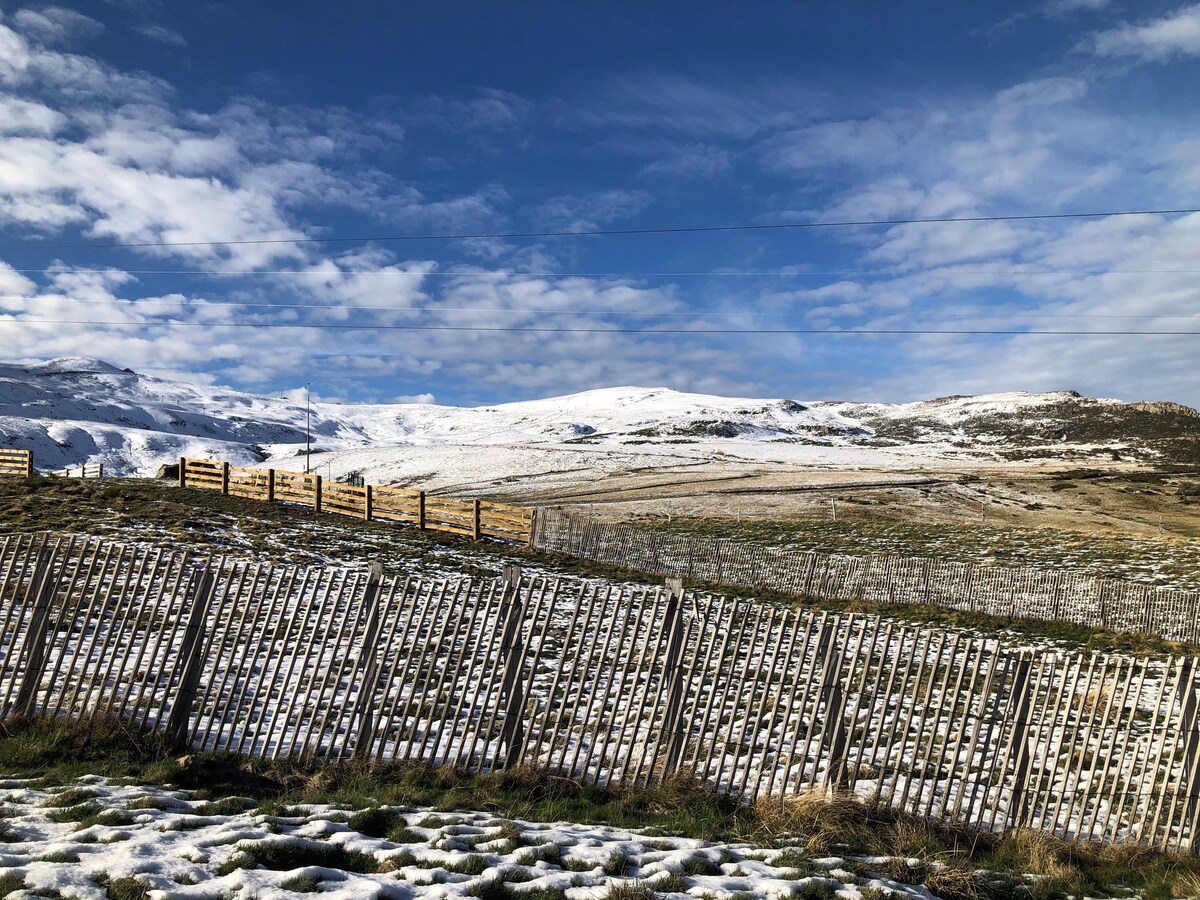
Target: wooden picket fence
{"x": 475, "y": 519}
{"x": 1047, "y": 594}
{"x": 605, "y": 684}
{"x": 16, "y": 462}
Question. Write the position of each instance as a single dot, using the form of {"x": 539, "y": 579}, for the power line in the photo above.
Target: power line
{"x": 345, "y": 326}
{"x": 615, "y": 232}
{"x": 501, "y": 273}
{"x": 699, "y": 312}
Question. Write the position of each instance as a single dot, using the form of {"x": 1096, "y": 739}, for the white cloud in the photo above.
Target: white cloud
{"x": 691, "y": 161}
{"x": 1177, "y": 34}
{"x": 20, "y": 117}
{"x": 162, "y": 34}
{"x": 590, "y": 212}
{"x": 56, "y": 25}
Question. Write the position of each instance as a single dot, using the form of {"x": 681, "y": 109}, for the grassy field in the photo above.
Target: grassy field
{"x": 1169, "y": 563}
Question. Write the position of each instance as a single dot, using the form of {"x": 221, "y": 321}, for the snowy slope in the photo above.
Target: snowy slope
{"x": 74, "y": 410}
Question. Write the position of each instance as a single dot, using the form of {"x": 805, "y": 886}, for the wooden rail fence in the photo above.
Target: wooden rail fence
{"x": 86, "y": 470}
{"x": 1053, "y": 595}
{"x": 606, "y": 684}
{"x": 473, "y": 518}
{"x": 16, "y": 462}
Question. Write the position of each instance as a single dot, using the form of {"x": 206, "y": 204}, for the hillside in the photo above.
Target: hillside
{"x": 74, "y": 410}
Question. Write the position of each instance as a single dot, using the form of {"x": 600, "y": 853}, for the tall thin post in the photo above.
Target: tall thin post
{"x": 512, "y": 688}
{"x": 34, "y": 649}
{"x": 673, "y": 672}
{"x": 307, "y": 428}
{"x": 476, "y": 518}
{"x": 183, "y": 471}
{"x": 191, "y": 657}
{"x": 364, "y": 706}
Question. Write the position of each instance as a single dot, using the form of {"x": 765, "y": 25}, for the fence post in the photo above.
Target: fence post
{"x": 317, "y": 493}
{"x": 270, "y": 485}
{"x": 364, "y": 710}
{"x": 533, "y": 527}
{"x": 833, "y": 732}
{"x": 29, "y": 464}
{"x": 1023, "y": 694}
{"x": 673, "y": 673}
{"x": 512, "y": 690}
{"x": 100, "y": 471}
{"x": 421, "y": 510}
{"x": 475, "y": 526}
{"x": 191, "y": 656}
{"x": 183, "y": 471}
{"x": 1190, "y": 726}
{"x": 225, "y": 478}
{"x": 367, "y": 500}
{"x": 41, "y": 589}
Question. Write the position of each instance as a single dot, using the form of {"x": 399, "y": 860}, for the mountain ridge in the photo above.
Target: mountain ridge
{"x": 76, "y": 409}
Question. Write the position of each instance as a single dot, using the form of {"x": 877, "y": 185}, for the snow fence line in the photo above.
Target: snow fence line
{"x": 606, "y": 684}
{"x": 1054, "y": 596}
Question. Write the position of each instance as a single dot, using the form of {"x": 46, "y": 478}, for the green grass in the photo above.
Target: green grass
{"x": 378, "y": 822}
{"x": 127, "y": 889}
{"x": 283, "y": 856}
{"x": 302, "y": 884}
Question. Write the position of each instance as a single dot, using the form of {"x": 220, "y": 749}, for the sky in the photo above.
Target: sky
{"x": 399, "y": 202}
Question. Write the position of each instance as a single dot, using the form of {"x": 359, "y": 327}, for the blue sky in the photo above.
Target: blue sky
{"x": 296, "y": 129}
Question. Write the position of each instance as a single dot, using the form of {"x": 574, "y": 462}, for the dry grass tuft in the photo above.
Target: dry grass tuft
{"x": 956, "y": 883}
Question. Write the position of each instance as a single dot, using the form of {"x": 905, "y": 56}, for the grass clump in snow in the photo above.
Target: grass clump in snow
{"x": 126, "y": 889}
{"x": 295, "y": 853}
{"x": 630, "y": 890}
{"x": 10, "y": 882}
{"x": 302, "y": 884}
{"x": 378, "y": 821}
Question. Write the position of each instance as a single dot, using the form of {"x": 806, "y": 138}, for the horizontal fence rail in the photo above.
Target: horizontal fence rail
{"x": 16, "y": 462}
{"x": 472, "y": 518}
{"x": 1058, "y": 596}
{"x": 87, "y": 470}
{"x": 603, "y": 683}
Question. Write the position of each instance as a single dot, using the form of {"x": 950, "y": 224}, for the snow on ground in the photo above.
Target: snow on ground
{"x": 184, "y": 848}
{"x": 71, "y": 411}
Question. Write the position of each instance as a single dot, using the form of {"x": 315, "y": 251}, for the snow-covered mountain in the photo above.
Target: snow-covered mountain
{"x": 70, "y": 411}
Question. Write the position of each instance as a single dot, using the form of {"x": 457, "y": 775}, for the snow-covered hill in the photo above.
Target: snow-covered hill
{"x": 70, "y": 411}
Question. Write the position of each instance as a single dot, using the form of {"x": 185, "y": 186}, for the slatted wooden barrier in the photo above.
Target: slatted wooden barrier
{"x": 16, "y": 462}
{"x": 471, "y": 518}
{"x": 603, "y": 683}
